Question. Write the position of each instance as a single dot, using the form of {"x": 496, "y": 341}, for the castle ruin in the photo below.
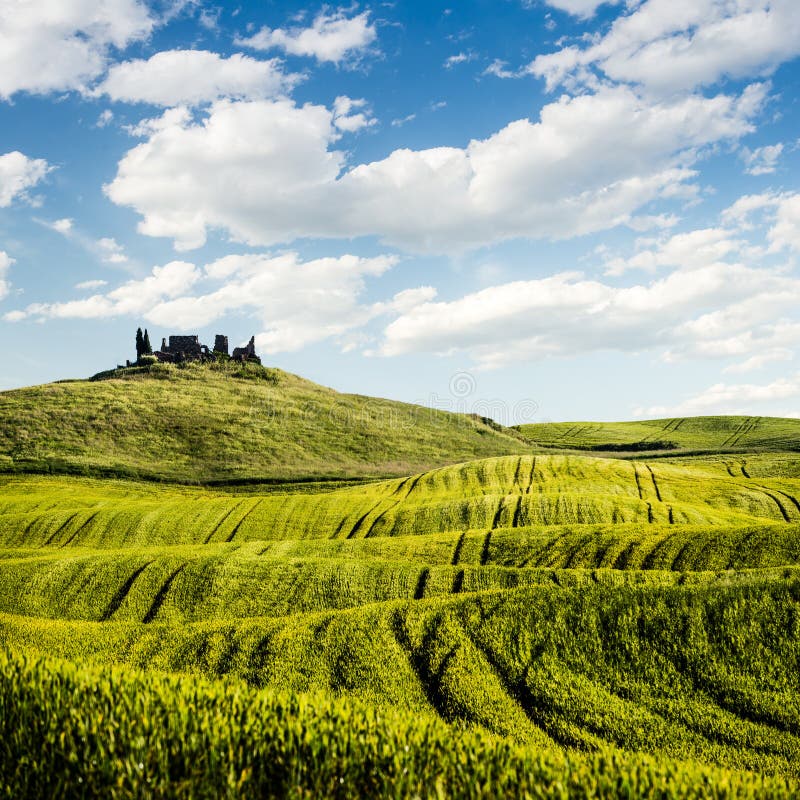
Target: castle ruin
{"x": 189, "y": 348}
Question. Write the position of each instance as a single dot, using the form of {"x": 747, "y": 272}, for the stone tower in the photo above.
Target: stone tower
{"x": 221, "y": 344}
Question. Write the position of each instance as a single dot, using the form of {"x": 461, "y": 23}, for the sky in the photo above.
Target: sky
{"x": 531, "y": 209}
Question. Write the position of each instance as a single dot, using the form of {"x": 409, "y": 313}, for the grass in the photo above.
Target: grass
{"x": 698, "y": 434}
{"x": 118, "y": 733}
{"x": 222, "y": 422}
{"x": 327, "y": 601}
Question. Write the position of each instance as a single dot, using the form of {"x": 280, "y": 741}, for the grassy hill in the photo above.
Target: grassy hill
{"x": 698, "y": 434}
{"x": 497, "y": 619}
{"x": 226, "y": 422}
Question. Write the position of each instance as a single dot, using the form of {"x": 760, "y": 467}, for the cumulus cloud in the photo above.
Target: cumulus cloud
{"x": 133, "y": 298}
{"x": 726, "y": 398}
{"x": 780, "y": 210}
{"x": 688, "y": 250}
{"x": 332, "y": 37}
{"x": 58, "y": 46}
{"x": 5, "y": 265}
{"x": 192, "y": 77}
{"x": 671, "y": 45}
{"x": 720, "y": 294}
{"x": 269, "y": 172}
{"x": 761, "y": 160}
{"x": 18, "y": 174}
{"x": 568, "y": 314}
{"x": 348, "y": 118}
{"x": 785, "y": 233}
{"x": 297, "y": 302}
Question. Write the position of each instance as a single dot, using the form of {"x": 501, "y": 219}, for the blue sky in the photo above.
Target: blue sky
{"x": 591, "y": 209}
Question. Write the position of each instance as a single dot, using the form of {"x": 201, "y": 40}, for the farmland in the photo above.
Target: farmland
{"x": 483, "y": 613}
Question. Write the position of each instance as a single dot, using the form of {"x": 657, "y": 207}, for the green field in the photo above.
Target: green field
{"x": 229, "y": 423}
{"x": 445, "y": 609}
{"x": 696, "y": 434}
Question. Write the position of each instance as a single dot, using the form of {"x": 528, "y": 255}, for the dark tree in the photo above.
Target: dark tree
{"x": 139, "y": 344}
{"x": 147, "y": 347}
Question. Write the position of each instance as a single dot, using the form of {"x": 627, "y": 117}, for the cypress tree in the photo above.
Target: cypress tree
{"x": 139, "y": 344}
{"x": 147, "y": 347}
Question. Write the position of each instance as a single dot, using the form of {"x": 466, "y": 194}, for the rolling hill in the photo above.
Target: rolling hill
{"x": 226, "y": 422}
{"x": 497, "y": 619}
{"x": 696, "y": 434}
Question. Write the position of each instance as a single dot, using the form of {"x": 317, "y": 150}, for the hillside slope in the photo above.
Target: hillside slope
{"x": 698, "y": 434}
{"x": 226, "y": 423}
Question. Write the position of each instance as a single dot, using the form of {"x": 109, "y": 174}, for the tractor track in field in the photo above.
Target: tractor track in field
{"x": 123, "y": 592}
{"x": 422, "y": 583}
{"x": 458, "y": 548}
{"x": 79, "y": 529}
{"x": 485, "y": 550}
{"x": 161, "y": 595}
{"x": 220, "y": 523}
{"x": 362, "y": 519}
{"x": 752, "y": 425}
{"x": 532, "y": 476}
{"x": 241, "y": 521}
{"x": 781, "y": 507}
{"x": 655, "y": 483}
{"x": 398, "y": 502}
{"x": 517, "y": 513}
{"x": 60, "y": 528}
{"x": 498, "y": 513}
{"x": 515, "y": 481}
{"x": 638, "y": 482}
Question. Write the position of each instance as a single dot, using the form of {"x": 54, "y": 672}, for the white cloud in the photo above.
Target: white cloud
{"x": 18, "y": 174}
{"x": 347, "y": 117}
{"x": 105, "y": 118}
{"x": 568, "y": 314}
{"x": 5, "y": 265}
{"x": 111, "y": 251}
{"x": 458, "y": 58}
{"x": 63, "y": 226}
{"x": 761, "y": 160}
{"x": 499, "y": 69}
{"x": 688, "y": 250}
{"x": 63, "y": 44}
{"x": 331, "y": 37}
{"x": 106, "y": 249}
{"x": 583, "y": 8}
{"x": 670, "y": 45}
{"x": 192, "y": 77}
{"x": 724, "y": 398}
{"x": 266, "y": 172}
{"x": 785, "y": 233}
{"x": 782, "y": 211}
{"x": 89, "y": 285}
{"x": 134, "y": 298}
{"x": 400, "y": 121}
{"x": 298, "y": 302}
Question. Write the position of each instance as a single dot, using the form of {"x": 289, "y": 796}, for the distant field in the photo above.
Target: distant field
{"x": 533, "y": 621}
{"x": 709, "y": 434}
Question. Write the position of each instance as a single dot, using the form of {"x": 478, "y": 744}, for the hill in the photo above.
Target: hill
{"x": 226, "y": 422}
{"x": 696, "y": 434}
{"x": 522, "y": 621}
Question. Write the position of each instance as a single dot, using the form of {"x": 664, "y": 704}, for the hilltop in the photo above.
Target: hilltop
{"x": 229, "y": 422}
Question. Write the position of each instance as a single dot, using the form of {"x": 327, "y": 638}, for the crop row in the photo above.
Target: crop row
{"x": 707, "y": 673}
